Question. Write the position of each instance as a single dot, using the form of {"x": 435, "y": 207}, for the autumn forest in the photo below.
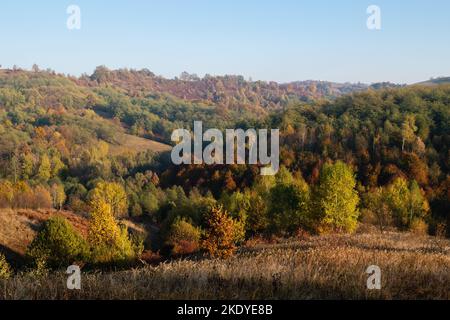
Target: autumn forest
{"x": 86, "y": 161}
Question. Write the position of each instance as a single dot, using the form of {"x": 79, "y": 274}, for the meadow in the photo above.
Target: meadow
{"x": 306, "y": 267}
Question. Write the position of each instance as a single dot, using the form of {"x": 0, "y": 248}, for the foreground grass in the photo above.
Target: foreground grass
{"x": 327, "y": 267}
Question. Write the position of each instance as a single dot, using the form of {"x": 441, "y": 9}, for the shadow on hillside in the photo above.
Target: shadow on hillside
{"x": 15, "y": 259}
{"x": 426, "y": 248}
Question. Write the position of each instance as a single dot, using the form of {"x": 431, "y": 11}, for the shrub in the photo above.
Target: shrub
{"x": 419, "y": 227}
{"x": 183, "y": 237}
{"x": 5, "y": 269}
{"x": 58, "y": 244}
{"x": 222, "y": 233}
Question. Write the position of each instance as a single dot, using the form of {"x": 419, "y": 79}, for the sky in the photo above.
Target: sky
{"x": 282, "y": 40}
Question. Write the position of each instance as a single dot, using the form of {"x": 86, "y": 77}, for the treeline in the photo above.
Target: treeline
{"x": 384, "y": 135}
{"x": 229, "y": 91}
{"x": 284, "y": 205}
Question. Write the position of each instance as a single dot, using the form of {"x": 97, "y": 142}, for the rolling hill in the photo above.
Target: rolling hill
{"x": 435, "y": 81}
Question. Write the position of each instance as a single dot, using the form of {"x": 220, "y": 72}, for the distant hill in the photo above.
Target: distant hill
{"x": 108, "y": 103}
{"x": 231, "y": 91}
{"x": 436, "y": 81}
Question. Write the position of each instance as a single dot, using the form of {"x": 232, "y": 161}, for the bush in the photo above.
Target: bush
{"x": 5, "y": 269}
{"x": 58, "y": 244}
{"x": 222, "y": 233}
{"x": 419, "y": 227}
{"x": 183, "y": 237}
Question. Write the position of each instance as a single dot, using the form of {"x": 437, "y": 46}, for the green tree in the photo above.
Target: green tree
{"x": 419, "y": 206}
{"x": 27, "y": 164}
{"x": 44, "y": 170}
{"x": 249, "y": 207}
{"x": 407, "y": 202}
{"x": 336, "y": 199}
{"x": 56, "y": 166}
{"x": 375, "y": 202}
{"x": 58, "y": 244}
{"x": 289, "y": 202}
{"x": 408, "y": 130}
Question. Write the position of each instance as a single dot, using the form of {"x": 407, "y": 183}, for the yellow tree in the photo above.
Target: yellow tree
{"x": 109, "y": 241}
{"x": 103, "y": 228}
{"x": 408, "y": 130}
{"x": 44, "y": 170}
{"x": 5, "y": 269}
{"x": 58, "y": 195}
{"x": 112, "y": 194}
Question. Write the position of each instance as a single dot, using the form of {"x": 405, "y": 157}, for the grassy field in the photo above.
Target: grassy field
{"x": 133, "y": 144}
{"x": 324, "y": 267}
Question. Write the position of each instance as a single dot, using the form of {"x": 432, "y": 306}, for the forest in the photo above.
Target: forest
{"x": 351, "y": 154}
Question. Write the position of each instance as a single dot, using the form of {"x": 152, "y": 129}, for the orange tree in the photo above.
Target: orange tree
{"x": 222, "y": 233}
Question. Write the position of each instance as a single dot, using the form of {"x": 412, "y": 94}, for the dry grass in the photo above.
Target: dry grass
{"x": 327, "y": 267}
{"x": 133, "y": 144}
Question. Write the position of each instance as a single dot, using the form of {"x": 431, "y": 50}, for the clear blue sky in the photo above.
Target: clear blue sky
{"x": 282, "y": 40}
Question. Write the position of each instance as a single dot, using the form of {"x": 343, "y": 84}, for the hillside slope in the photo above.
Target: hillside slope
{"x": 19, "y": 227}
{"x": 435, "y": 82}
{"x": 126, "y": 143}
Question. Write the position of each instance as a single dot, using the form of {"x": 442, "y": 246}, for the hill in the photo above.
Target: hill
{"x": 64, "y": 140}
{"x": 19, "y": 227}
{"x": 230, "y": 91}
{"x": 435, "y": 81}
